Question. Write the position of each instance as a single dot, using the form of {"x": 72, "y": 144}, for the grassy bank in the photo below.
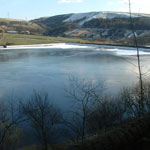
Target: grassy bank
{"x": 21, "y": 39}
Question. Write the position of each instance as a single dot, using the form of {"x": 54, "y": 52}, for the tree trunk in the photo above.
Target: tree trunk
{"x": 141, "y": 96}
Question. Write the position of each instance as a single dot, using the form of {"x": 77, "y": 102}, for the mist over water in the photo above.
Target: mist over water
{"x": 46, "y": 69}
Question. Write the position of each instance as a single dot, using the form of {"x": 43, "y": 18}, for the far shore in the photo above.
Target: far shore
{"x": 119, "y": 45}
{"x": 24, "y": 41}
{"x": 27, "y": 46}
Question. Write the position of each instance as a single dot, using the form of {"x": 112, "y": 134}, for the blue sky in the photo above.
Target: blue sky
{"x": 30, "y": 9}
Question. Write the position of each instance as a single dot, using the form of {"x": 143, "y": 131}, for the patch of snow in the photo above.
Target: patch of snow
{"x": 42, "y": 46}
{"x": 124, "y": 51}
{"x": 104, "y": 15}
{"x": 79, "y": 16}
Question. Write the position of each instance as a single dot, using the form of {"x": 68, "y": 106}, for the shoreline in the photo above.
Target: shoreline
{"x": 113, "y": 49}
{"x": 118, "y": 45}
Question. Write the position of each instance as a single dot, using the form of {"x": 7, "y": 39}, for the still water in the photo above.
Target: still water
{"x": 46, "y": 68}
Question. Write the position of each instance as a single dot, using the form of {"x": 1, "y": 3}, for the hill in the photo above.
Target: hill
{"x": 110, "y": 26}
{"x": 103, "y": 27}
{"x": 20, "y": 26}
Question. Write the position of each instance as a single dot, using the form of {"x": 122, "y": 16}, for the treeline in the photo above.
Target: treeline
{"x": 92, "y": 114}
{"x": 140, "y": 23}
{"x": 61, "y": 29}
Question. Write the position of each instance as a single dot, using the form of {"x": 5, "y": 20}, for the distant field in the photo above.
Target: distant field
{"x": 21, "y": 39}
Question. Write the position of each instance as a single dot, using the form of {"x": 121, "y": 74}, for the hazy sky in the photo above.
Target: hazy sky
{"x": 29, "y": 9}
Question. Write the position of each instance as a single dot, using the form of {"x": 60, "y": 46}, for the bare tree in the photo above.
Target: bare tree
{"x": 107, "y": 111}
{"x": 131, "y": 96}
{"x": 10, "y": 118}
{"x": 84, "y": 95}
{"x": 44, "y": 118}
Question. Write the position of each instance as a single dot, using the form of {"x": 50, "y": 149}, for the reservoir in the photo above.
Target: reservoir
{"x": 46, "y": 68}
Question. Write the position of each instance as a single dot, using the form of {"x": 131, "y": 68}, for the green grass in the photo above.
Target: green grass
{"x": 21, "y": 39}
